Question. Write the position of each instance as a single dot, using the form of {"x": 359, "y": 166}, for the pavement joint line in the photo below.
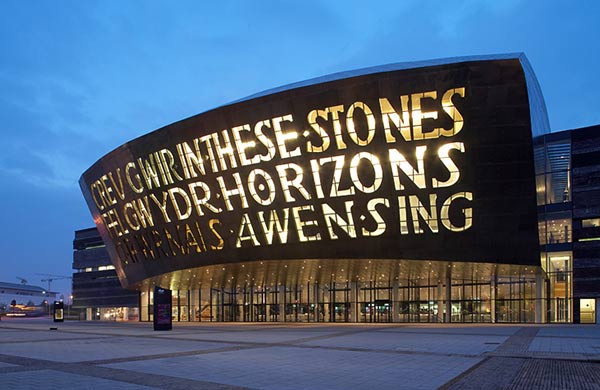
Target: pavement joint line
{"x": 297, "y": 341}
{"x": 388, "y": 351}
{"x": 54, "y": 340}
{"x": 569, "y": 337}
{"x": 463, "y": 374}
{"x": 252, "y": 345}
{"x": 453, "y": 333}
{"x": 7, "y": 370}
{"x": 168, "y": 337}
{"x": 328, "y": 336}
{"x": 116, "y": 374}
{"x": 239, "y": 345}
{"x": 165, "y": 355}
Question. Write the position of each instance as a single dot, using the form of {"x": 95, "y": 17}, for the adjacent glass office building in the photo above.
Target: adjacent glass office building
{"x": 421, "y": 192}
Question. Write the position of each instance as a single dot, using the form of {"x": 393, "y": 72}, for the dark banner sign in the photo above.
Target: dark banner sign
{"x": 432, "y": 163}
{"x": 162, "y": 309}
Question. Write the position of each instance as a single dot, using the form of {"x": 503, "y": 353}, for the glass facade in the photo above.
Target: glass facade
{"x": 555, "y": 224}
{"x": 112, "y": 314}
{"x": 499, "y": 299}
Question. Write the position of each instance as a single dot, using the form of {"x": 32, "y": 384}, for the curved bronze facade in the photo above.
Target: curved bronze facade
{"x": 399, "y": 163}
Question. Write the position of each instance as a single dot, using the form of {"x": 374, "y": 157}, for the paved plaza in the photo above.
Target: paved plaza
{"x": 84, "y": 355}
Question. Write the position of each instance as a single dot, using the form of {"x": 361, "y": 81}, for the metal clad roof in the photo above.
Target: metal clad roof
{"x": 22, "y": 287}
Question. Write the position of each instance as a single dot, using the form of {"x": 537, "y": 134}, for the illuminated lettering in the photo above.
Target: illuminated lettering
{"x": 265, "y": 141}
{"x": 237, "y": 191}
{"x": 282, "y": 137}
{"x": 131, "y": 216}
{"x": 255, "y": 189}
{"x": 275, "y": 225}
{"x": 119, "y": 188}
{"x": 429, "y": 217}
{"x": 241, "y": 145}
{"x": 301, "y": 224}
{"x": 224, "y": 150}
{"x": 380, "y": 225}
{"x": 104, "y": 191}
{"x": 149, "y": 171}
{"x": 443, "y": 153}
{"x": 181, "y": 215}
{"x": 142, "y": 209}
{"x": 212, "y": 223}
{"x": 95, "y": 192}
{"x": 191, "y": 240}
{"x": 135, "y": 181}
{"x": 205, "y": 139}
{"x": 336, "y": 179}
{"x": 450, "y": 109}
{"x": 201, "y": 236}
{"x": 377, "y": 172}
{"x": 295, "y": 182}
{"x": 467, "y": 212}
{"x": 246, "y": 225}
{"x": 347, "y": 225}
{"x": 147, "y": 248}
{"x": 162, "y": 206}
{"x": 176, "y": 247}
{"x": 402, "y": 215}
{"x": 401, "y": 122}
{"x": 337, "y": 127}
{"x": 398, "y": 163}
{"x": 191, "y": 160}
{"x": 417, "y": 115}
{"x": 355, "y": 146}
{"x": 168, "y": 162}
{"x": 202, "y": 201}
{"x": 159, "y": 243}
{"x": 114, "y": 225}
{"x": 351, "y": 128}
{"x": 312, "y": 121}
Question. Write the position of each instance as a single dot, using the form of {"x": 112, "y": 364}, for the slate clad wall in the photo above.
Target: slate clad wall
{"x": 586, "y": 205}
{"x": 96, "y": 288}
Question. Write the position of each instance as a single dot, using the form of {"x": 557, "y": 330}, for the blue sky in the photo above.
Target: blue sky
{"x": 80, "y": 78}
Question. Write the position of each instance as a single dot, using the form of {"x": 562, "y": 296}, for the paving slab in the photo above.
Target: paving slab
{"x": 102, "y": 348}
{"x": 457, "y": 344}
{"x": 265, "y": 336}
{"x": 302, "y": 368}
{"x": 233, "y": 356}
{"x": 448, "y": 329}
{"x": 566, "y": 345}
{"x": 48, "y": 379}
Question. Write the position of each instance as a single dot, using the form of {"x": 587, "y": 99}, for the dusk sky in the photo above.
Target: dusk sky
{"x": 80, "y": 78}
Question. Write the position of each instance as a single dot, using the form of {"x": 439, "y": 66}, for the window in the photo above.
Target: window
{"x": 589, "y": 223}
{"x": 555, "y": 228}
